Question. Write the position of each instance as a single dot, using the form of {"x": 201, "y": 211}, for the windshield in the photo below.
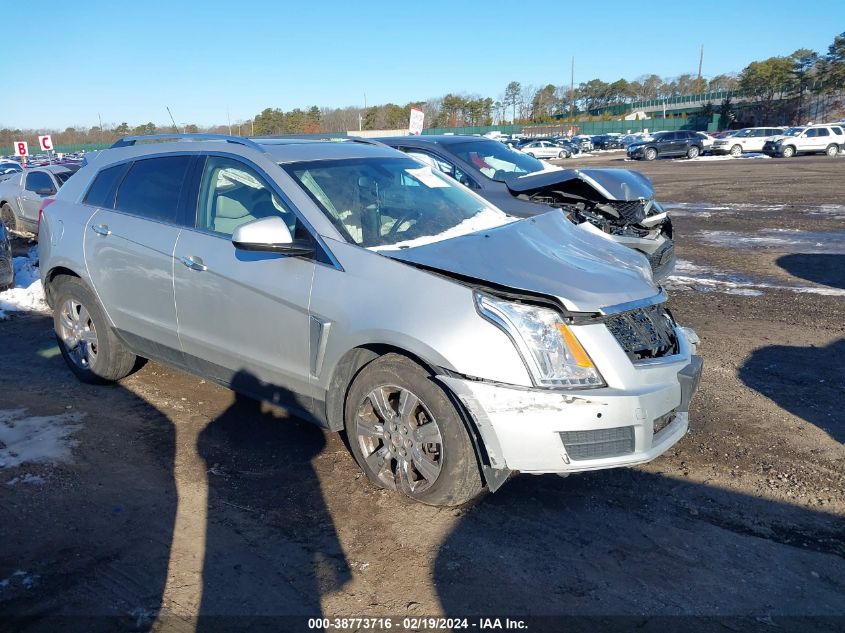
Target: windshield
{"x": 494, "y": 160}
{"x": 393, "y": 202}
{"x": 793, "y": 131}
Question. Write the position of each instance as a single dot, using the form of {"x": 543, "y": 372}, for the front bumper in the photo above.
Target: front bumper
{"x": 538, "y": 431}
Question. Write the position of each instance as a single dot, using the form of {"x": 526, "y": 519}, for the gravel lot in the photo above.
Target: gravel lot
{"x": 176, "y": 498}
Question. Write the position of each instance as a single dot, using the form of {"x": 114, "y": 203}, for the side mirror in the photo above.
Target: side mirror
{"x": 270, "y": 235}
{"x": 46, "y": 192}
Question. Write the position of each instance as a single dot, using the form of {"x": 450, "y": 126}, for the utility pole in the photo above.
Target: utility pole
{"x": 700, "y": 63}
{"x": 572, "y": 90}
{"x": 229, "y": 120}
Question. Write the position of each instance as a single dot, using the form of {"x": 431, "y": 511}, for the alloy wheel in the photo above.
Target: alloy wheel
{"x": 77, "y": 331}
{"x": 736, "y": 150}
{"x": 399, "y": 439}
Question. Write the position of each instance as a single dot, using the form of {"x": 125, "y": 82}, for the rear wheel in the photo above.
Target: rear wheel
{"x": 531, "y": 154}
{"x": 693, "y": 152}
{"x": 736, "y": 150}
{"x": 406, "y": 434}
{"x": 788, "y": 151}
{"x": 562, "y": 154}
{"x": 8, "y": 217}
{"x": 832, "y": 150}
{"x": 650, "y": 153}
{"x": 87, "y": 343}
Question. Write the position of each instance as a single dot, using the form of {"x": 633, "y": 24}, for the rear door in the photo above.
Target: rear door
{"x": 129, "y": 246}
{"x": 37, "y": 186}
{"x": 243, "y": 315}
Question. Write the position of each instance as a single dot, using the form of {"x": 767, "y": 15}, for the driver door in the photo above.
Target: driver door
{"x": 243, "y": 315}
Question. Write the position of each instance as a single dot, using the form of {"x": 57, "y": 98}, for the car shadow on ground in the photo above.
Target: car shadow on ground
{"x": 75, "y": 532}
{"x": 806, "y": 381}
{"x": 259, "y": 461}
{"x": 630, "y": 550}
{"x": 822, "y": 268}
{"x": 107, "y": 542}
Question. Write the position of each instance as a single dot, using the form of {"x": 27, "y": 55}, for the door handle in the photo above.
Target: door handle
{"x": 193, "y": 262}
{"x": 101, "y": 229}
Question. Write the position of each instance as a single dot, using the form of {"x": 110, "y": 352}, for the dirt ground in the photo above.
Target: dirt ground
{"x": 182, "y": 500}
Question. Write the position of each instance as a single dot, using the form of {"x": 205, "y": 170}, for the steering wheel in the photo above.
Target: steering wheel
{"x": 410, "y": 214}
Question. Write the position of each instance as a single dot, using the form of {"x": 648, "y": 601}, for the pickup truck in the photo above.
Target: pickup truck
{"x": 21, "y": 195}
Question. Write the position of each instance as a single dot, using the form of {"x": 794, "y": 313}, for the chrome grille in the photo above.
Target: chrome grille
{"x": 598, "y": 443}
{"x": 644, "y": 333}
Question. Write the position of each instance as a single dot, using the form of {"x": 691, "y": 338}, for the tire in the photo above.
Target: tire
{"x": 9, "y": 219}
{"x": 438, "y": 466}
{"x": 531, "y": 155}
{"x": 693, "y": 152}
{"x": 788, "y": 151}
{"x": 650, "y": 153}
{"x": 736, "y": 150}
{"x": 562, "y": 155}
{"x": 832, "y": 150}
{"x": 85, "y": 338}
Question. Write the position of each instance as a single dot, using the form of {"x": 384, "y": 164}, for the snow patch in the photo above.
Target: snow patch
{"x": 29, "y": 439}
{"x": 748, "y": 156}
{"x": 790, "y": 240}
{"x": 27, "y": 478}
{"x": 19, "y": 578}
{"x": 27, "y": 295}
{"x": 485, "y": 219}
{"x": 689, "y": 276}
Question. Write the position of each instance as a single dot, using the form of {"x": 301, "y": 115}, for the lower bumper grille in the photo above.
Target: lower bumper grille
{"x": 598, "y": 443}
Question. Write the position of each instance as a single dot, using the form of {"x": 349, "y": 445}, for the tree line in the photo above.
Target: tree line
{"x": 784, "y": 89}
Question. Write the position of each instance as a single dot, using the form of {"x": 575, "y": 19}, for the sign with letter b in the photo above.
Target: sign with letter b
{"x": 21, "y": 148}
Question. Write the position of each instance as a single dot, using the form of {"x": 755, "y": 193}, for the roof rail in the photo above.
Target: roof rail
{"x": 128, "y": 141}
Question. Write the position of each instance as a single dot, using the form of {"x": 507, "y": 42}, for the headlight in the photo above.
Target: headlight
{"x": 552, "y": 354}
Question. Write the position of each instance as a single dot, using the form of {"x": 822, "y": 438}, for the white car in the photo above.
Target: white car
{"x": 545, "y": 149}
{"x": 706, "y": 141}
{"x": 812, "y": 139}
{"x": 750, "y": 139}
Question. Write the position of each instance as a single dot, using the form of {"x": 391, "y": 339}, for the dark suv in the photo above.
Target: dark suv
{"x": 680, "y": 143}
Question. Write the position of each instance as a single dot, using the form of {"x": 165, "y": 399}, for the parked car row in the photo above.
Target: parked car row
{"x": 368, "y": 291}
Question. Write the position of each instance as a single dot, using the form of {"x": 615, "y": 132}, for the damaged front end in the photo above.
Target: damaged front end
{"x": 617, "y": 204}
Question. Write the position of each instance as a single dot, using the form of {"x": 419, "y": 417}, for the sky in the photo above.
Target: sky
{"x": 214, "y": 60}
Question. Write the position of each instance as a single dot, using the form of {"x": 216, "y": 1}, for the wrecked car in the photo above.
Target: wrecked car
{"x": 617, "y": 204}
{"x": 370, "y": 294}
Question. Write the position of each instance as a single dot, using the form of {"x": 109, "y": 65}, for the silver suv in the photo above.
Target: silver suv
{"x": 367, "y": 293}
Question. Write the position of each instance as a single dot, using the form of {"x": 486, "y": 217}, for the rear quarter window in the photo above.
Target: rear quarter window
{"x": 152, "y": 187}
{"x": 101, "y": 191}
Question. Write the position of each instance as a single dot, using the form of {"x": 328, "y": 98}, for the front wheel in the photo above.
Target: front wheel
{"x": 736, "y": 150}
{"x": 693, "y": 152}
{"x": 650, "y": 153}
{"x": 788, "y": 151}
{"x": 531, "y": 155}
{"x": 832, "y": 150}
{"x": 407, "y": 435}
{"x": 87, "y": 343}
{"x": 9, "y": 219}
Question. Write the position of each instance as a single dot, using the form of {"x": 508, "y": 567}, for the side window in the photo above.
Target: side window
{"x": 38, "y": 180}
{"x": 837, "y": 131}
{"x": 761, "y": 133}
{"x": 811, "y": 133}
{"x": 101, "y": 191}
{"x": 822, "y": 131}
{"x": 152, "y": 187}
{"x": 232, "y": 193}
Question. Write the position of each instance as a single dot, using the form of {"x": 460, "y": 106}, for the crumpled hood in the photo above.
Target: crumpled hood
{"x": 546, "y": 255}
{"x": 613, "y": 184}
